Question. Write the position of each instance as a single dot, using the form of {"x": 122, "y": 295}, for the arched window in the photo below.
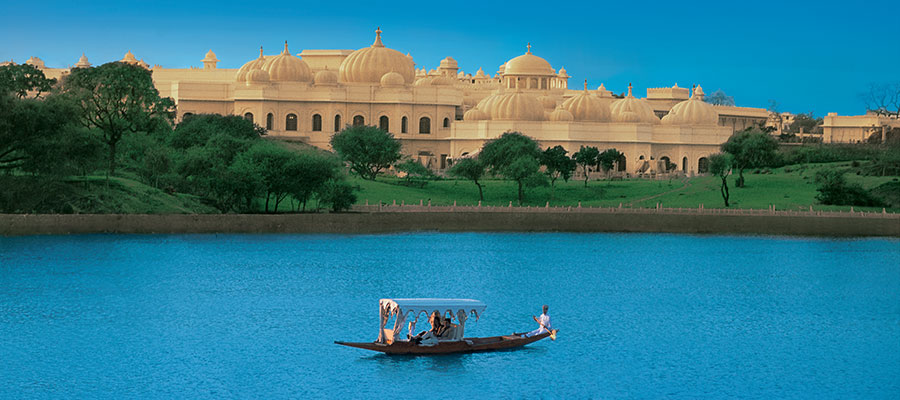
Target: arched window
{"x": 446, "y": 122}
{"x": 337, "y": 123}
{"x": 248, "y": 117}
{"x": 621, "y": 163}
{"x": 668, "y": 163}
{"x": 641, "y": 157}
{"x": 359, "y": 120}
{"x": 317, "y": 123}
{"x": 404, "y": 123}
{"x": 186, "y": 116}
{"x": 684, "y": 166}
{"x": 703, "y": 165}
{"x": 424, "y": 125}
{"x": 290, "y": 122}
{"x": 270, "y": 121}
{"x": 384, "y": 123}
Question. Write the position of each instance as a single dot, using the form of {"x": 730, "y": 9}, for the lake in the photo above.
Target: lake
{"x": 640, "y": 315}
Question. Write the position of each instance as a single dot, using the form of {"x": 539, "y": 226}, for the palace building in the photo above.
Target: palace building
{"x": 444, "y": 114}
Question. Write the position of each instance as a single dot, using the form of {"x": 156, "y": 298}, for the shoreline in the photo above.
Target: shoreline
{"x": 507, "y": 220}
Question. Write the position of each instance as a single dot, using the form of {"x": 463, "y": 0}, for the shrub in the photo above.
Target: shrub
{"x": 834, "y": 189}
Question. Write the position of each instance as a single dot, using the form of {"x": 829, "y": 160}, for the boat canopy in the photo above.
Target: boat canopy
{"x": 411, "y": 309}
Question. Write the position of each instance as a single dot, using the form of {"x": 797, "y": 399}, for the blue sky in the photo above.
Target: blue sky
{"x": 808, "y": 56}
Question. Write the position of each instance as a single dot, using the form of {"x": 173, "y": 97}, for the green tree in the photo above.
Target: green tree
{"x": 751, "y": 148}
{"x": 513, "y": 156}
{"x": 586, "y": 157}
{"x": 309, "y": 172}
{"x": 276, "y": 165}
{"x": 557, "y": 164}
{"x": 22, "y": 79}
{"x": 471, "y": 169}
{"x": 200, "y": 129}
{"x": 367, "y": 149}
{"x": 413, "y": 169}
{"x": 607, "y": 159}
{"x": 118, "y": 99}
{"x": 834, "y": 189}
{"x": 339, "y": 194}
{"x": 30, "y": 131}
{"x": 805, "y": 123}
{"x": 720, "y": 165}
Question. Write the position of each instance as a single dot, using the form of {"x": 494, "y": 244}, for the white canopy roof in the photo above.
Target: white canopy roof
{"x": 418, "y": 306}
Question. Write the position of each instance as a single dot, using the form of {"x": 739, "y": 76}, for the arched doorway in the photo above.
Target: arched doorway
{"x": 316, "y": 123}
{"x": 668, "y": 164}
{"x": 424, "y": 125}
{"x": 359, "y": 120}
{"x": 703, "y": 165}
{"x": 249, "y": 117}
{"x": 621, "y": 163}
{"x": 270, "y": 121}
{"x": 337, "y": 123}
{"x": 384, "y": 123}
{"x": 684, "y": 165}
{"x": 290, "y": 122}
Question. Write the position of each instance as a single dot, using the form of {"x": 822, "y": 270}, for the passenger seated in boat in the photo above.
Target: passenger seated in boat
{"x": 430, "y": 337}
{"x": 543, "y": 323}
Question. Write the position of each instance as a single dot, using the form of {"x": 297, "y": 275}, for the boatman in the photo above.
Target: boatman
{"x": 543, "y": 322}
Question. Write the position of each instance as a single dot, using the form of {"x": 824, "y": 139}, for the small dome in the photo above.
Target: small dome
{"x": 587, "y": 107}
{"x": 435, "y": 81}
{"x": 392, "y": 79}
{"x": 143, "y": 64}
{"x": 258, "y": 63}
{"x": 481, "y": 75}
{"x": 693, "y": 111}
{"x": 528, "y": 64}
{"x": 257, "y": 76}
{"x": 562, "y": 73}
{"x": 631, "y": 109}
{"x": 602, "y": 92}
{"x": 476, "y": 115}
{"x": 560, "y": 114}
{"x": 517, "y": 106}
{"x": 83, "y": 62}
{"x": 287, "y": 68}
{"x": 449, "y": 62}
{"x": 129, "y": 58}
{"x": 325, "y": 77}
{"x": 210, "y": 57}
{"x": 369, "y": 64}
{"x": 36, "y": 62}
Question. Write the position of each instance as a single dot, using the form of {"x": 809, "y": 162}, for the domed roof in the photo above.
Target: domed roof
{"x": 516, "y": 106}
{"x": 548, "y": 102}
{"x": 325, "y": 77}
{"x": 210, "y": 57}
{"x": 587, "y": 107}
{"x": 435, "y": 81}
{"x": 481, "y": 75}
{"x": 449, "y": 62}
{"x": 561, "y": 114}
{"x": 369, "y": 64}
{"x": 37, "y": 62}
{"x": 257, "y": 76}
{"x": 562, "y": 73}
{"x": 602, "y": 92}
{"x": 631, "y": 109}
{"x": 476, "y": 115}
{"x": 693, "y": 111}
{"x": 83, "y": 62}
{"x": 258, "y": 63}
{"x": 129, "y": 58}
{"x": 286, "y": 67}
{"x": 392, "y": 79}
{"x": 528, "y": 64}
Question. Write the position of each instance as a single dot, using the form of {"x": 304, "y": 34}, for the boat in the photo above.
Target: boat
{"x": 452, "y": 340}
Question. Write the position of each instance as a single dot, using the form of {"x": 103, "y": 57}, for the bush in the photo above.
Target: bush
{"x": 834, "y": 189}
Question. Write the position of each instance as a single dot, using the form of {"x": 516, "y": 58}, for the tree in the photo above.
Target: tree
{"x": 200, "y": 129}
{"x": 805, "y": 123}
{"x": 586, "y": 157}
{"x": 339, "y": 194}
{"x": 557, "y": 164}
{"x": 368, "y": 149}
{"x": 30, "y": 131}
{"x": 413, "y": 168}
{"x": 514, "y": 156}
{"x": 276, "y": 165}
{"x": 883, "y": 98}
{"x": 751, "y": 148}
{"x": 834, "y": 189}
{"x": 24, "y": 78}
{"x": 118, "y": 99}
{"x": 719, "y": 98}
{"x": 608, "y": 158}
{"x": 310, "y": 171}
{"x": 471, "y": 169}
{"x": 720, "y": 165}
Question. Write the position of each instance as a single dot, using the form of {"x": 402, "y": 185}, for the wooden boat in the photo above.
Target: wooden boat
{"x": 451, "y": 341}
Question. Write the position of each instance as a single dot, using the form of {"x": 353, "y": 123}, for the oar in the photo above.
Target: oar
{"x": 552, "y": 331}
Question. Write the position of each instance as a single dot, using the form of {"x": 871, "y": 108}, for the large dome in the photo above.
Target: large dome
{"x": 241, "y": 75}
{"x": 587, "y": 107}
{"x": 516, "y": 106}
{"x": 287, "y": 68}
{"x": 693, "y": 111}
{"x": 631, "y": 109}
{"x": 528, "y": 64}
{"x": 368, "y": 65}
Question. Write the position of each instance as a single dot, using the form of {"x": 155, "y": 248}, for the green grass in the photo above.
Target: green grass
{"x": 92, "y": 194}
{"x": 789, "y": 188}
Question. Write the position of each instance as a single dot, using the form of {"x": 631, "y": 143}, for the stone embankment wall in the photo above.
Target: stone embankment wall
{"x": 509, "y": 220}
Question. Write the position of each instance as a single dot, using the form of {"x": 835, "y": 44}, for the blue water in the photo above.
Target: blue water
{"x": 640, "y": 316}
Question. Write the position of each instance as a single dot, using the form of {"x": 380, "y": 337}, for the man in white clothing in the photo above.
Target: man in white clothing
{"x": 543, "y": 321}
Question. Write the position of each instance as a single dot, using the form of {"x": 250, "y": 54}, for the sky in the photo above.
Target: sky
{"x": 807, "y": 56}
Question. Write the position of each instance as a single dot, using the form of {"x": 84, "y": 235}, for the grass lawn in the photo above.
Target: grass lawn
{"x": 126, "y": 196}
{"x": 789, "y": 188}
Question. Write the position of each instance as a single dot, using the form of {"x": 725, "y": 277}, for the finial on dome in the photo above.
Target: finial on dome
{"x": 378, "y": 38}
{"x": 629, "y": 89}
{"x": 286, "y": 48}
{"x": 585, "y": 85}
{"x": 260, "y": 52}
{"x": 529, "y": 48}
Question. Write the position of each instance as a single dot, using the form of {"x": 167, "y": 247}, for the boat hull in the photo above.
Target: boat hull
{"x": 467, "y": 345}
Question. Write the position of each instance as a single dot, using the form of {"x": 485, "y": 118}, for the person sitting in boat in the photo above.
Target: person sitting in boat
{"x": 543, "y": 322}
{"x": 429, "y": 337}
